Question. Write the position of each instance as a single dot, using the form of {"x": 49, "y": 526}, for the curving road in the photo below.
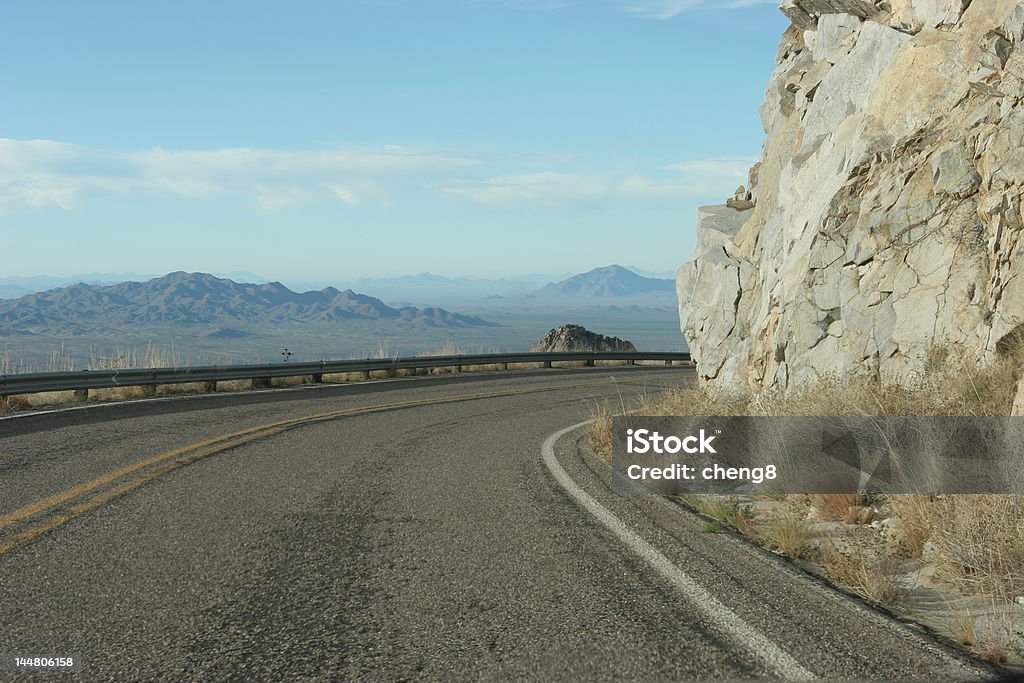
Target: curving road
{"x": 394, "y": 530}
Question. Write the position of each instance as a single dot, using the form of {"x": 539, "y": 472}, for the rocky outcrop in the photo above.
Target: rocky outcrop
{"x": 578, "y": 338}
{"x": 884, "y": 216}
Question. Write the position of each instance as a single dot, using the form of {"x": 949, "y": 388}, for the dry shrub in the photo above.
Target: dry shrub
{"x": 913, "y": 527}
{"x": 786, "y": 533}
{"x": 153, "y": 356}
{"x": 956, "y": 387}
{"x": 491, "y": 367}
{"x": 180, "y": 388}
{"x": 599, "y": 432}
{"x": 993, "y": 651}
{"x": 837, "y": 507}
{"x": 117, "y": 393}
{"x": 710, "y": 400}
{"x": 978, "y": 543}
{"x": 963, "y": 625}
{"x": 725, "y": 510}
{"x": 12, "y": 404}
{"x": 872, "y": 576}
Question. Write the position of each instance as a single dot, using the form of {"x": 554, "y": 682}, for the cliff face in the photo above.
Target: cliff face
{"x": 886, "y": 213}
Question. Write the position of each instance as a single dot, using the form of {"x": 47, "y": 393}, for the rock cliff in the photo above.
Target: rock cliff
{"x": 883, "y": 221}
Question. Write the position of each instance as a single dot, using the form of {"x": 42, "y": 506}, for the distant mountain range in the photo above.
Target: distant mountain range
{"x": 610, "y": 281}
{"x": 13, "y": 287}
{"x": 438, "y": 288}
{"x": 424, "y": 288}
{"x": 202, "y": 299}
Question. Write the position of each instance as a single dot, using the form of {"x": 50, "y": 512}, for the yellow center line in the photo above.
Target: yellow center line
{"x": 198, "y": 451}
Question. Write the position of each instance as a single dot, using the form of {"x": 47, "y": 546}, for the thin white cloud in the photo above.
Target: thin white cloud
{"x": 685, "y": 180}
{"x": 667, "y": 9}
{"x": 647, "y": 9}
{"x": 41, "y": 173}
{"x": 661, "y": 9}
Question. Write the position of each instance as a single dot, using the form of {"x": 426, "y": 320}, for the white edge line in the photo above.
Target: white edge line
{"x": 721, "y": 618}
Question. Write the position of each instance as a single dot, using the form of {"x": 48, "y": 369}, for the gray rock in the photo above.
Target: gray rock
{"x": 578, "y": 338}
{"x": 889, "y": 215}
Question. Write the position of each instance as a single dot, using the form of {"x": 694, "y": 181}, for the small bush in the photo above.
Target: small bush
{"x": 836, "y": 507}
{"x": 785, "y": 533}
{"x": 873, "y": 577}
{"x": 12, "y": 404}
{"x": 726, "y": 511}
{"x": 913, "y": 527}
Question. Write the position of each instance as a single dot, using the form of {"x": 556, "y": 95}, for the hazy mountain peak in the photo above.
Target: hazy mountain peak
{"x": 606, "y": 281}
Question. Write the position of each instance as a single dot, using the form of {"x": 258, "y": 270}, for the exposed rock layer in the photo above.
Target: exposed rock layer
{"x": 887, "y": 215}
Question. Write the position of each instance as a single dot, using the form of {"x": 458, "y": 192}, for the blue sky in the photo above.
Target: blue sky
{"x": 332, "y": 140}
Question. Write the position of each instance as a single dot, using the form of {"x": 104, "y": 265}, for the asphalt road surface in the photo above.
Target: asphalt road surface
{"x": 413, "y": 529}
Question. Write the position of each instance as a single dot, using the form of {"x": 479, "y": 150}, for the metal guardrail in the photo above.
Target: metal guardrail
{"x": 82, "y": 381}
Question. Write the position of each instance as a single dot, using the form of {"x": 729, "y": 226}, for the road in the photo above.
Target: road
{"x": 411, "y": 531}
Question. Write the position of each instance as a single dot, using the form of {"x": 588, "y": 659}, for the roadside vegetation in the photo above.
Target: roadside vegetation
{"x": 953, "y": 562}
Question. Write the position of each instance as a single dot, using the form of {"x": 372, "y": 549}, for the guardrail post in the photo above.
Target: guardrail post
{"x": 668, "y": 362}
{"x": 504, "y": 366}
{"x": 149, "y": 390}
{"x": 260, "y": 382}
{"x": 210, "y": 386}
{"x": 547, "y": 364}
{"x": 82, "y": 394}
{"x": 589, "y": 363}
{"x": 318, "y": 378}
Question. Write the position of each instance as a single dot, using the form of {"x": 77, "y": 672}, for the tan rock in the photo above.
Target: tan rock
{"x": 885, "y": 214}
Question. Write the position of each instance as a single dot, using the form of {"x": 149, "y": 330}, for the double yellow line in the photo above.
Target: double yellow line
{"x": 113, "y": 484}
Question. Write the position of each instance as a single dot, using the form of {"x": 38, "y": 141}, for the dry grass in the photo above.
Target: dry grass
{"x": 872, "y": 576}
{"x": 974, "y": 542}
{"x": 964, "y": 626}
{"x": 837, "y": 507}
{"x": 150, "y": 356}
{"x": 12, "y": 404}
{"x": 978, "y": 543}
{"x": 599, "y": 431}
{"x": 725, "y": 510}
{"x": 997, "y": 651}
{"x": 958, "y": 387}
{"x": 914, "y": 525}
{"x": 786, "y": 533}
